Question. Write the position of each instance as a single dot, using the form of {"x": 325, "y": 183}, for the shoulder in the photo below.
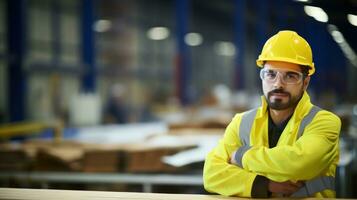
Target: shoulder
{"x": 326, "y": 115}
{"x": 244, "y": 117}
{"x": 238, "y": 116}
{"x": 327, "y": 119}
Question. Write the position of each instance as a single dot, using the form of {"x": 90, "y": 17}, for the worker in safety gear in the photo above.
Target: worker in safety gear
{"x": 287, "y": 146}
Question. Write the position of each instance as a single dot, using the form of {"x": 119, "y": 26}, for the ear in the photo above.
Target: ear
{"x": 306, "y": 82}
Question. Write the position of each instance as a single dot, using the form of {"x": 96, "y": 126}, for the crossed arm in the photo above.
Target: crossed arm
{"x": 284, "y": 166}
{"x": 312, "y": 153}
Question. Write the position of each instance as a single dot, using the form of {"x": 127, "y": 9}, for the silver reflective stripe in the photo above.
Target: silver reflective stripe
{"x": 239, "y": 154}
{"x": 316, "y": 185}
{"x": 244, "y": 135}
{"x": 312, "y": 186}
{"x": 246, "y": 125}
{"x": 307, "y": 119}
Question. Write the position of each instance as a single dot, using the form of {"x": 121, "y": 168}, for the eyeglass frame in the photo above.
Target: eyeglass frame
{"x": 282, "y": 74}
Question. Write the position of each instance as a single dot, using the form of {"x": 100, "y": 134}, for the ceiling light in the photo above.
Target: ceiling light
{"x": 224, "y": 48}
{"x": 345, "y": 47}
{"x": 352, "y": 19}
{"x": 102, "y": 25}
{"x": 337, "y": 36}
{"x": 158, "y": 33}
{"x": 193, "y": 39}
{"x": 316, "y": 12}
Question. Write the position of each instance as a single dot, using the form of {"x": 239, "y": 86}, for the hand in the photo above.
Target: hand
{"x": 286, "y": 188}
{"x": 232, "y": 161}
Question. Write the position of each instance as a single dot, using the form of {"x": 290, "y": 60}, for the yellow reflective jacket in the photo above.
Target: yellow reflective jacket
{"x": 314, "y": 154}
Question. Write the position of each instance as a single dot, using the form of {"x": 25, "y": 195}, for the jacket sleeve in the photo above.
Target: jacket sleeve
{"x": 311, "y": 155}
{"x": 219, "y": 175}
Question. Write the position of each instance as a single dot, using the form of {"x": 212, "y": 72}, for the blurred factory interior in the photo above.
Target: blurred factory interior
{"x": 145, "y": 87}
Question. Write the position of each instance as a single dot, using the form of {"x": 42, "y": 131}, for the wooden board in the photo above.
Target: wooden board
{"x": 45, "y": 194}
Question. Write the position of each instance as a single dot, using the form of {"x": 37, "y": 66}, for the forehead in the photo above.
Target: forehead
{"x": 285, "y": 66}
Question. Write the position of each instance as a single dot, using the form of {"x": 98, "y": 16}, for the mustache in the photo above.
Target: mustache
{"x": 279, "y": 90}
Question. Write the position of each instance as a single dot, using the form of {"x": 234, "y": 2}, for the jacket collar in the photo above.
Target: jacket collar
{"x": 300, "y": 111}
{"x": 303, "y": 107}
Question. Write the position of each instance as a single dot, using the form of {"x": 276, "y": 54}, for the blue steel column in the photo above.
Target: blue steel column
{"x": 262, "y": 24}
{"x": 183, "y": 62}
{"x": 262, "y": 30}
{"x": 56, "y": 30}
{"x": 16, "y": 45}
{"x": 282, "y": 19}
{"x": 239, "y": 26}
{"x": 317, "y": 38}
{"x": 88, "y": 46}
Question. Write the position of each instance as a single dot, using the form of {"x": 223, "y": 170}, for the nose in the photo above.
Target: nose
{"x": 278, "y": 81}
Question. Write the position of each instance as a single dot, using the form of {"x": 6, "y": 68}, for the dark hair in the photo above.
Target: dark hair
{"x": 305, "y": 70}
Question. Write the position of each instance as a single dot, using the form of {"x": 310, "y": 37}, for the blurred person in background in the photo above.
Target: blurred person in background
{"x": 116, "y": 111}
{"x": 2, "y": 116}
{"x": 287, "y": 146}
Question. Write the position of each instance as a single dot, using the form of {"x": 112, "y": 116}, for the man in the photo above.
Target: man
{"x": 286, "y": 147}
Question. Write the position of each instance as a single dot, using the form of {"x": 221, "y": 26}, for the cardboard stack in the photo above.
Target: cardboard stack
{"x": 101, "y": 160}
{"x": 150, "y": 154}
{"x": 53, "y": 155}
{"x": 149, "y": 159}
{"x": 12, "y": 157}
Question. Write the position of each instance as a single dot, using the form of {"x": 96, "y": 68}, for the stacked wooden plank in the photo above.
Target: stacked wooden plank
{"x": 12, "y": 157}
{"x": 86, "y": 158}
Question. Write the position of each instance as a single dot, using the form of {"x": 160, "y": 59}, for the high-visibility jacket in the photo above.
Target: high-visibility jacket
{"x": 311, "y": 157}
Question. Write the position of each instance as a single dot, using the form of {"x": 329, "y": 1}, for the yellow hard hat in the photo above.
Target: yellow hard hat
{"x": 287, "y": 46}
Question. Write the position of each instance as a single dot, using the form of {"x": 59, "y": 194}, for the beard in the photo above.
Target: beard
{"x": 278, "y": 104}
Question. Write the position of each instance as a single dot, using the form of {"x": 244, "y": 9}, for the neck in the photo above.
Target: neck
{"x": 278, "y": 116}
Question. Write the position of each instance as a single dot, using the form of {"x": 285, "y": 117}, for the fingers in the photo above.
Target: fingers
{"x": 298, "y": 183}
{"x": 286, "y": 188}
{"x": 292, "y": 187}
{"x": 232, "y": 161}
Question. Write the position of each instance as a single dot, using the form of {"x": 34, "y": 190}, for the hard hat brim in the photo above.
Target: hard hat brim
{"x": 260, "y": 63}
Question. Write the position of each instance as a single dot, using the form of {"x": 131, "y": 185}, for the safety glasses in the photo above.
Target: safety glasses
{"x": 287, "y": 77}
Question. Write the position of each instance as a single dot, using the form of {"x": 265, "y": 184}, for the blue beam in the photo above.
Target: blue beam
{"x": 183, "y": 61}
{"x": 316, "y": 36}
{"x": 262, "y": 29}
{"x": 262, "y": 25}
{"x": 281, "y": 6}
{"x": 16, "y": 40}
{"x": 239, "y": 30}
{"x": 88, "y": 46}
{"x": 56, "y": 30}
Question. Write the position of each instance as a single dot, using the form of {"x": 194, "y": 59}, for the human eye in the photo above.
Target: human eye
{"x": 270, "y": 74}
{"x": 292, "y": 76}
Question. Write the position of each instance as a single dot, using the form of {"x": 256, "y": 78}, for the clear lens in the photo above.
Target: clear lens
{"x": 288, "y": 77}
